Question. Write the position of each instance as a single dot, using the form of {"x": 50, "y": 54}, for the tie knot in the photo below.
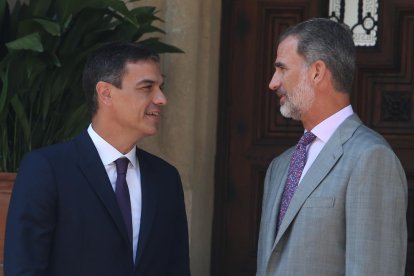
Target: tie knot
{"x": 121, "y": 165}
{"x": 307, "y": 138}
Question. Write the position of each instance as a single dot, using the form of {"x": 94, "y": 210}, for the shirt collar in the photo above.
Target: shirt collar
{"x": 327, "y": 127}
{"x": 107, "y": 152}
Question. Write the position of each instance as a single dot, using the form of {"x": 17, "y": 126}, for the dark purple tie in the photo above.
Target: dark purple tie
{"x": 297, "y": 163}
{"x": 122, "y": 193}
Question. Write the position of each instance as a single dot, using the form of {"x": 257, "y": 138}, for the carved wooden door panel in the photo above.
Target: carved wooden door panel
{"x": 252, "y": 131}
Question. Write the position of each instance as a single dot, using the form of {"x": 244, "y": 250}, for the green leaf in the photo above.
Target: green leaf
{"x": 82, "y": 25}
{"x": 150, "y": 29}
{"x": 67, "y": 8}
{"x": 160, "y": 47}
{"x": 16, "y": 16}
{"x": 46, "y": 98}
{"x": 145, "y": 15}
{"x": 49, "y": 26}
{"x": 56, "y": 60}
{"x": 143, "y": 11}
{"x": 120, "y": 7}
{"x": 41, "y": 65}
{"x": 67, "y": 22}
{"x": 21, "y": 117}
{"x": 70, "y": 8}
{"x": 3, "y": 96}
{"x": 28, "y": 42}
{"x": 39, "y": 7}
{"x": 4, "y": 153}
{"x": 34, "y": 66}
{"x": 76, "y": 121}
{"x": 123, "y": 32}
{"x": 3, "y": 6}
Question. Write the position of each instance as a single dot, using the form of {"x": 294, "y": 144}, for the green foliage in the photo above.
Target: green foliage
{"x": 43, "y": 47}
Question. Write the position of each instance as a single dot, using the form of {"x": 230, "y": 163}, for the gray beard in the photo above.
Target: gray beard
{"x": 299, "y": 101}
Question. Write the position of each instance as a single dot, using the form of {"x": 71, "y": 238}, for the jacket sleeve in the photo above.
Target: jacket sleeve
{"x": 376, "y": 205}
{"x": 31, "y": 219}
{"x": 180, "y": 260}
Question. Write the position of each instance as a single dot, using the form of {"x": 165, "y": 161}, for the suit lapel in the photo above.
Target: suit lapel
{"x": 149, "y": 201}
{"x": 323, "y": 164}
{"x": 276, "y": 192}
{"x": 90, "y": 164}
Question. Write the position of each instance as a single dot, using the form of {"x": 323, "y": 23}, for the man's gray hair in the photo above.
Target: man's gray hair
{"x": 331, "y": 42}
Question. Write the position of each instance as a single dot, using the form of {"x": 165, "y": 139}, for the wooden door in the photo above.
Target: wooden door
{"x": 252, "y": 131}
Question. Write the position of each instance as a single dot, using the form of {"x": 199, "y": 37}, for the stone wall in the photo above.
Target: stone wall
{"x": 187, "y": 137}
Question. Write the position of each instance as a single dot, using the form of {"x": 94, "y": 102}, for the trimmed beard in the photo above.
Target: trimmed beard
{"x": 299, "y": 100}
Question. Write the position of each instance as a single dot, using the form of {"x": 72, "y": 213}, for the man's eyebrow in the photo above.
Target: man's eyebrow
{"x": 148, "y": 82}
{"x": 279, "y": 64}
{"x": 145, "y": 81}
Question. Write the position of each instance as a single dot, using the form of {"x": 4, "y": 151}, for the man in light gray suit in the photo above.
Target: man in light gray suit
{"x": 339, "y": 206}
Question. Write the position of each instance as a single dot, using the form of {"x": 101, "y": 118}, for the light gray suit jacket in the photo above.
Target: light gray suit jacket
{"x": 347, "y": 216}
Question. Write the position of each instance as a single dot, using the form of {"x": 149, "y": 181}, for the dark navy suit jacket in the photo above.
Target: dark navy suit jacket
{"x": 64, "y": 219}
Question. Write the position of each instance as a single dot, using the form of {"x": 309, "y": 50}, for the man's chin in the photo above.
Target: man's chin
{"x": 287, "y": 113}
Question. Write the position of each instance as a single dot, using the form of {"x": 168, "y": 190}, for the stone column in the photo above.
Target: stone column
{"x": 187, "y": 137}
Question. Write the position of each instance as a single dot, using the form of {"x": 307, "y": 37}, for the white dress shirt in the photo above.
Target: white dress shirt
{"x": 323, "y": 132}
{"x": 108, "y": 155}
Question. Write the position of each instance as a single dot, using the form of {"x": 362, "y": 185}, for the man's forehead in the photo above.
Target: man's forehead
{"x": 143, "y": 71}
{"x": 143, "y": 66}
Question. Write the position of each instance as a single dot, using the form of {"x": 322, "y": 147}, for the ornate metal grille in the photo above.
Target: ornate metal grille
{"x": 360, "y": 15}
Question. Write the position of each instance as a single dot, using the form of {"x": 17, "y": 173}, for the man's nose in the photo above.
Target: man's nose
{"x": 160, "y": 98}
{"x": 274, "y": 82}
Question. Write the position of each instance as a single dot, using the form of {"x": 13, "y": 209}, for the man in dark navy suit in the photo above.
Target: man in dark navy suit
{"x": 65, "y": 216}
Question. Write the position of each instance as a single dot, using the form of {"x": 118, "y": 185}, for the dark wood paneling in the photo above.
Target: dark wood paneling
{"x": 252, "y": 131}
{"x": 384, "y": 95}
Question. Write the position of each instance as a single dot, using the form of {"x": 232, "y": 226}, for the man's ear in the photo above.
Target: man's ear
{"x": 318, "y": 71}
{"x": 103, "y": 91}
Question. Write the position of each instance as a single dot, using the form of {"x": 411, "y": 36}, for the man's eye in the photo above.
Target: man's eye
{"x": 280, "y": 68}
{"x": 147, "y": 88}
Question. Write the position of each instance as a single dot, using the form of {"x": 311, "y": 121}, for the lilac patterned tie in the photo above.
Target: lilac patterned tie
{"x": 122, "y": 193}
{"x": 297, "y": 163}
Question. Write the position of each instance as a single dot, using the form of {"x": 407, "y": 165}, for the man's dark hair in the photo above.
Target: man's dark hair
{"x": 329, "y": 41}
{"x": 108, "y": 64}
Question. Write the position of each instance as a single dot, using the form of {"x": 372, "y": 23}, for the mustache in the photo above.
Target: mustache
{"x": 281, "y": 92}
